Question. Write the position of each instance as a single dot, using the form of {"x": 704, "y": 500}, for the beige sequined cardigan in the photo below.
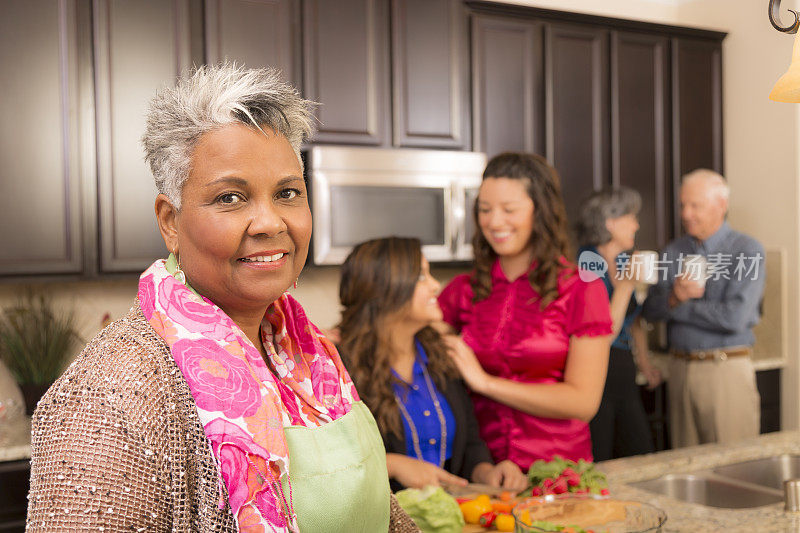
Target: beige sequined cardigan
{"x": 117, "y": 444}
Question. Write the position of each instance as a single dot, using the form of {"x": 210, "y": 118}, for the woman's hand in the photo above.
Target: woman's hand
{"x": 415, "y": 473}
{"x": 651, "y": 373}
{"x": 443, "y": 328}
{"x": 504, "y": 474}
{"x": 577, "y": 396}
{"x": 466, "y": 362}
{"x": 641, "y": 353}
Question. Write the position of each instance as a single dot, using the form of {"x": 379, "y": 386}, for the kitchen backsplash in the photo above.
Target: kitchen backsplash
{"x": 317, "y": 289}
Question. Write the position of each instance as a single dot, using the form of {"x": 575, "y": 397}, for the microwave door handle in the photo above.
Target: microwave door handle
{"x": 458, "y": 222}
{"x": 459, "y": 229}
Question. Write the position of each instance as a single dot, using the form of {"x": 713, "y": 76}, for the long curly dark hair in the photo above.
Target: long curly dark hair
{"x": 549, "y": 240}
{"x": 378, "y": 282}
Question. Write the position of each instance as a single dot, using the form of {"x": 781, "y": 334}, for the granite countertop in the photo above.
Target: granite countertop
{"x": 689, "y": 517}
{"x": 682, "y": 516}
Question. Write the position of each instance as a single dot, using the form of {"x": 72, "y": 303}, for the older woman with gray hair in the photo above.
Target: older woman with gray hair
{"x": 607, "y": 228}
{"x": 215, "y": 404}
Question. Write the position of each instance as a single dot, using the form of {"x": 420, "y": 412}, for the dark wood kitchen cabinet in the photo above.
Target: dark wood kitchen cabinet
{"x": 696, "y": 108}
{"x": 543, "y": 88}
{"x": 769, "y": 388}
{"x": 609, "y": 102}
{"x": 40, "y": 139}
{"x": 640, "y": 129}
{"x": 76, "y": 197}
{"x": 430, "y": 74}
{"x": 576, "y": 110}
{"x": 256, "y": 34}
{"x": 346, "y": 66}
{"x": 507, "y": 85}
{"x": 14, "y": 486}
{"x": 139, "y": 47}
{"x": 388, "y": 73}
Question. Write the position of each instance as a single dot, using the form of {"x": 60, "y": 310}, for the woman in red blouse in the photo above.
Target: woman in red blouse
{"x": 534, "y": 334}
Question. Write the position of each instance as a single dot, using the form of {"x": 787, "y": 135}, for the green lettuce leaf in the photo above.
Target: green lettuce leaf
{"x": 433, "y": 510}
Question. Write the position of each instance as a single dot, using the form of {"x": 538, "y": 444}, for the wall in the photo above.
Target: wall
{"x": 761, "y": 155}
{"x": 317, "y": 289}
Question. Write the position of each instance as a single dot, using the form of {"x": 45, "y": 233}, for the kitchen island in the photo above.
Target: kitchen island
{"x": 682, "y": 516}
{"x": 15, "y": 451}
{"x": 695, "y": 518}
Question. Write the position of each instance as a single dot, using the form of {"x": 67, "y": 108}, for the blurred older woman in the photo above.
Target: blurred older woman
{"x": 608, "y": 226}
{"x": 215, "y": 404}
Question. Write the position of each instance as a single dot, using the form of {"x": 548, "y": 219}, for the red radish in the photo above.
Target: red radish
{"x": 560, "y": 486}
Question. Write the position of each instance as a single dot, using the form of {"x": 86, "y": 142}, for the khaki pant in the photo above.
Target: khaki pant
{"x": 712, "y": 401}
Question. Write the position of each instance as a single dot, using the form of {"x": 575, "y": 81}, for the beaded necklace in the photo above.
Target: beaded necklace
{"x": 439, "y": 414}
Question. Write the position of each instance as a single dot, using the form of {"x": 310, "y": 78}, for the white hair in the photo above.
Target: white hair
{"x": 211, "y": 97}
{"x": 717, "y": 185}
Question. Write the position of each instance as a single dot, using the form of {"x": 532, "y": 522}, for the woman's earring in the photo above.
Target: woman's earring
{"x": 179, "y": 274}
{"x": 295, "y": 283}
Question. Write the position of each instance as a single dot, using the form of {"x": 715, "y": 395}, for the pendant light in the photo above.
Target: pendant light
{"x": 787, "y": 88}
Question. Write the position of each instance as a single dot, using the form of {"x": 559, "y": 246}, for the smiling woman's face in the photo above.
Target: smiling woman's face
{"x": 243, "y": 229}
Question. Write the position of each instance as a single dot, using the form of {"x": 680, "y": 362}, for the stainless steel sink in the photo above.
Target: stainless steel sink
{"x": 706, "y": 488}
{"x": 769, "y": 472}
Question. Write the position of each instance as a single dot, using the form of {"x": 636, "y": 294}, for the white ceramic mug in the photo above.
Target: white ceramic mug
{"x": 643, "y": 265}
{"x": 696, "y": 266}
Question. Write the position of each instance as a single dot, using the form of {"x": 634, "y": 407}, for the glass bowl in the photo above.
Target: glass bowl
{"x": 597, "y": 513}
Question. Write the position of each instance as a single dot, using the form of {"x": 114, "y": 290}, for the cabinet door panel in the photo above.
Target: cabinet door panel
{"x": 696, "y": 108}
{"x": 14, "y": 486}
{"x": 256, "y": 33}
{"x": 139, "y": 47}
{"x": 347, "y": 69}
{"x": 40, "y": 209}
{"x": 577, "y": 110}
{"x": 638, "y": 121}
{"x": 430, "y": 74}
{"x": 697, "y": 104}
{"x": 769, "y": 388}
{"x": 508, "y": 112}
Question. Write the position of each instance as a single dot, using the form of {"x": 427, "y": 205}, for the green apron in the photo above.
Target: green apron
{"x": 338, "y": 471}
{"x": 338, "y": 475}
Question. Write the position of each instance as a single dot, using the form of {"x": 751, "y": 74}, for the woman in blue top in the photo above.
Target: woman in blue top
{"x": 402, "y": 371}
{"x": 608, "y": 226}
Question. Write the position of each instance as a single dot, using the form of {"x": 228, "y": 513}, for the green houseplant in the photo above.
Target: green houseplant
{"x": 35, "y": 342}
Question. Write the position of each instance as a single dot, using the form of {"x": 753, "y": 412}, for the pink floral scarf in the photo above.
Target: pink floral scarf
{"x": 241, "y": 405}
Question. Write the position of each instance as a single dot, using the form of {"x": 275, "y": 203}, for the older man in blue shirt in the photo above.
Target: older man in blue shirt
{"x": 710, "y": 304}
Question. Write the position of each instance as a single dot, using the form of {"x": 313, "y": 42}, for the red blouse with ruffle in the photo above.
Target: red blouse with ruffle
{"x": 514, "y": 339}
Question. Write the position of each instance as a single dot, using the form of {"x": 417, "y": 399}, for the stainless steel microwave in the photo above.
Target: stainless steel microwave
{"x": 365, "y": 193}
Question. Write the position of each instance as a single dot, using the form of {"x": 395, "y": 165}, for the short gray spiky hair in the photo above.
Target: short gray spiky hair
{"x": 209, "y": 98}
